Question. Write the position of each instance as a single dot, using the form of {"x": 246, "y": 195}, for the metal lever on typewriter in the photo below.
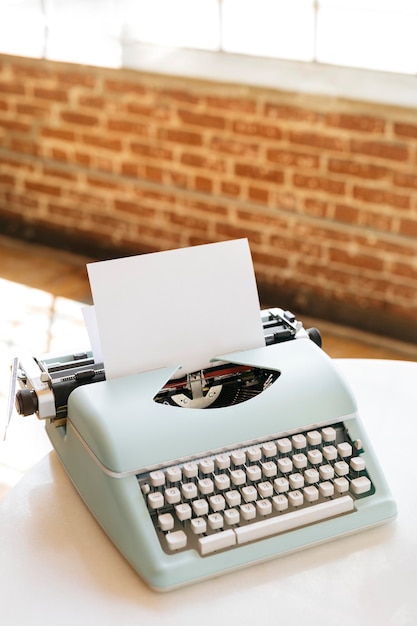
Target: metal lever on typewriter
{"x": 201, "y": 396}
{"x": 12, "y": 391}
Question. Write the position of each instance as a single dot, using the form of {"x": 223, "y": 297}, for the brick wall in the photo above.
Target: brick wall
{"x": 119, "y": 162}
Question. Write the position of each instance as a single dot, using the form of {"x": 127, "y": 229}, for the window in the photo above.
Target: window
{"x": 189, "y": 23}
{"x": 272, "y": 28}
{"x": 373, "y": 34}
{"x": 22, "y": 27}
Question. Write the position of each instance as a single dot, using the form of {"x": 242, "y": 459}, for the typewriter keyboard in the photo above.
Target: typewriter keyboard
{"x": 257, "y": 491}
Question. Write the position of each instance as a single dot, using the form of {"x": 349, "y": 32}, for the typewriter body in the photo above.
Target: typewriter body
{"x": 260, "y": 455}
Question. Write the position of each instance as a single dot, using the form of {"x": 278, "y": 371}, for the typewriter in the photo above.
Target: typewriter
{"x": 260, "y": 455}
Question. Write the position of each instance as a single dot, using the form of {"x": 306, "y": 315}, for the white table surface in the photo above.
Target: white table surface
{"x": 58, "y": 567}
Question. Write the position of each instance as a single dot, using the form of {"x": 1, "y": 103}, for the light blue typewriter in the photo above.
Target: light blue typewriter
{"x": 260, "y": 455}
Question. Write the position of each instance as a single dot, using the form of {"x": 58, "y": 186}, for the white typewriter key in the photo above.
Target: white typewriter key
{"x": 264, "y": 507}
{"x": 231, "y": 517}
{"x": 330, "y": 453}
{"x": 206, "y": 466}
{"x": 294, "y": 519}
{"x": 183, "y": 511}
{"x": 172, "y": 495}
{"x": 174, "y": 474}
{"x": 166, "y": 521}
{"x": 314, "y": 438}
{"x": 155, "y": 500}
{"x": 145, "y": 488}
{"x": 296, "y": 481}
{"x": 176, "y": 540}
{"x": 357, "y": 444}
{"x": 216, "y": 541}
{"x": 189, "y": 491}
{"x": 280, "y": 503}
{"x": 248, "y": 511}
{"x": 360, "y": 485}
{"x": 285, "y": 465}
{"x": 265, "y": 489}
{"x": 238, "y": 457}
{"x": 344, "y": 449}
{"x": 326, "y": 472}
{"x": 299, "y": 442}
{"x": 233, "y": 498}
{"x": 357, "y": 463}
{"x": 295, "y": 498}
{"x": 157, "y": 478}
{"x": 269, "y": 449}
{"x": 215, "y": 521}
{"x": 198, "y": 525}
{"x": 299, "y": 460}
{"x": 205, "y": 486}
{"x": 269, "y": 469}
{"x": 222, "y": 461}
{"x": 311, "y": 476}
{"x": 326, "y": 489}
{"x": 311, "y": 493}
{"x": 315, "y": 457}
{"x": 200, "y": 507}
{"x": 253, "y": 454}
{"x": 281, "y": 485}
{"x": 328, "y": 434}
{"x": 341, "y": 484}
{"x": 222, "y": 482}
{"x": 341, "y": 468}
{"x": 249, "y": 493}
{"x": 190, "y": 470}
{"x": 254, "y": 473}
{"x": 217, "y": 503}
{"x": 238, "y": 477}
{"x": 284, "y": 445}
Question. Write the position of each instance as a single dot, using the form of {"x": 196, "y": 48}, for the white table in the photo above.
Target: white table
{"x": 58, "y": 567}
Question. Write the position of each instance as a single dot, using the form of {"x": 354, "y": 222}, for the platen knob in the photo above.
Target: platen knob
{"x": 315, "y": 336}
{"x": 26, "y": 402}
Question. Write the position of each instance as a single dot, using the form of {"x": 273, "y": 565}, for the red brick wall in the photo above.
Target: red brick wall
{"x": 325, "y": 189}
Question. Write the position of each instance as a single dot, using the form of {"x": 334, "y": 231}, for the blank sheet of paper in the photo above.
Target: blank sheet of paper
{"x": 176, "y": 308}
{"x": 90, "y": 322}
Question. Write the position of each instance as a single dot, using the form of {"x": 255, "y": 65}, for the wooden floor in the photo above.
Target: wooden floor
{"x": 41, "y": 294}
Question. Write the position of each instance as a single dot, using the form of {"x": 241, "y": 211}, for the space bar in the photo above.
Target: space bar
{"x": 295, "y": 519}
